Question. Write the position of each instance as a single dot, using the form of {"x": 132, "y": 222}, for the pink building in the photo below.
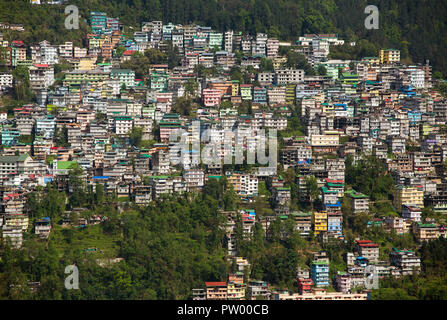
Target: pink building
{"x": 211, "y": 97}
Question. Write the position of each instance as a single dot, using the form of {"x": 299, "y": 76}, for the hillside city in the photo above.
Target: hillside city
{"x": 358, "y": 189}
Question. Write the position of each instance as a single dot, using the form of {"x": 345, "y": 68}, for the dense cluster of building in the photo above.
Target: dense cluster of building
{"x": 376, "y": 106}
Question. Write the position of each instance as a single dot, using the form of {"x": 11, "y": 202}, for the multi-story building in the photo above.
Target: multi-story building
{"x": 123, "y": 125}
{"x": 343, "y": 282}
{"x": 14, "y": 164}
{"x": 320, "y": 273}
{"x": 246, "y": 91}
{"x": 411, "y": 212}
{"x": 304, "y": 285}
{"x": 6, "y": 80}
{"x": 41, "y": 76}
{"x": 368, "y": 249}
{"x": 42, "y": 227}
{"x": 320, "y": 294}
{"x": 216, "y": 290}
{"x": 388, "y": 56}
{"x": 320, "y": 222}
{"x": 409, "y": 196}
{"x": 125, "y": 76}
{"x": 425, "y": 231}
{"x": 244, "y": 184}
{"x": 258, "y": 289}
{"x": 194, "y": 178}
{"x": 235, "y": 291}
{"x": 359, "y": 201}
{"x": 289, "y": 76}
{"x": 211, "y": 97}
{"x": 406, "y": 260}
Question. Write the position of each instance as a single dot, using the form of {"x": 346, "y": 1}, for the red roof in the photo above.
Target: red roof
{"x": 129, "y": 52}
{"x": 215, "y": 284}
{"x": 18, "y": 42}
{"x": 334, "y": 181}
{"x": 366, "y": 243}
{"x": 369, "y": 245}
{"x": 41, "y": 65}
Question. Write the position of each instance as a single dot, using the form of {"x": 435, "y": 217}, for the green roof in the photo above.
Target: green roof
{"x": 301, "y": 214}
{"x": 159, "y": 177}
{"x": 426, "y": 225}
{"x": 330, "y": 184}
{"x": 326, "y": 190}
{"x": 21, "y": 157}
{"x": 64, "y": 165}
{"x": 354, "y": 194}
{"x": 397, "y": 250}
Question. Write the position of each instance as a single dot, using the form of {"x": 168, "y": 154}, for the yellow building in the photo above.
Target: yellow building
{"x": 320, "y": 222}
{"x": 235, "y": 88}
{"x": 425, "y": 231}
{"x": 408, "y": 195}
{"x": 371, "y": 60}
{"x": 79, "y": 76}
{"x": 328, "y": 109}
{"x": 17, "y": 220}
{"x": 290, "y": 93}
{"x": 387, "y": 56}
{"x": 328, "y": 139}
{"x": 279, "y": 62}
{"x": 96, "y": 42}
{"x": 427, "y": 129}
{"x": 320, "y": 97}
{"x": 85, "y": 63}
{"x": 235, "y": 291}
{"x": 216, "y": 290}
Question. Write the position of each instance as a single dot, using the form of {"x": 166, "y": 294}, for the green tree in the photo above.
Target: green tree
{"x": 21, "y": 84}
{"x": 312, "y": 189}
{"x": 136, "y": 136}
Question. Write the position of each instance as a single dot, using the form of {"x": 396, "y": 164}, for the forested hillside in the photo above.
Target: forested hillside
{"x": 417, "y": 27}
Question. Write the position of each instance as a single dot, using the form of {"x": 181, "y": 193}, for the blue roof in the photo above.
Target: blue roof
{"x": 333, "y": 205}
{"x": 101, "y": 177}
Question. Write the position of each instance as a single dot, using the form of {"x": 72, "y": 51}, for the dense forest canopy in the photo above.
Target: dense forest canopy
{"x": 418, "y": 28}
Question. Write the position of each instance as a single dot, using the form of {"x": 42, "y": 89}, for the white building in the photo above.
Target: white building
{"x": 286, "y": 76}
{"x": 6, "y": 80}
{"x": 41, "y": 76}
{"x": 123, "y": 125}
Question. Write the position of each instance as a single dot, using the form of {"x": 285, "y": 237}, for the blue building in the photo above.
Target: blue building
{"x": 98, "y": 21}
{"x": 9, "y": 136}
{"x": 260, "y": 95}
{"x": 335, "y": 223}
{"x": 361, "y": 261}
{"x": 414, "y": 117}
{"x": 408, "y": 90}
{"x": 320, "y": 273}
